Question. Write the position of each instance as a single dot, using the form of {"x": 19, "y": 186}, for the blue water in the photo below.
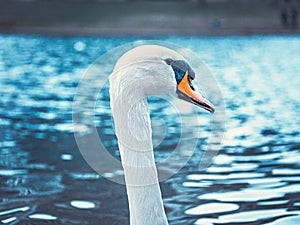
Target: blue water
{"x": 255, "y": 179}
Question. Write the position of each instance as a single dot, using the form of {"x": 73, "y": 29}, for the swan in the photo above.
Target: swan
{"x": 144, "y": 71}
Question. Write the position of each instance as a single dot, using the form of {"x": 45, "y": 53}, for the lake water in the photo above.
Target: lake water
{"x": 255, "y": 179}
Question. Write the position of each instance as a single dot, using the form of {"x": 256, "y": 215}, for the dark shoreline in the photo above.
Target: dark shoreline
{"x": 158, "y": 18}
{"x": 143, "y": 32}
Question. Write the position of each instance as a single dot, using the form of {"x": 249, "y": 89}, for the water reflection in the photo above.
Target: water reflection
{"x": 42, "y": 216}
{"x": 66, "y": 157}
{"x": 250, "y": 216}
{"x": 254, "y": 179}
{"x": 291, "y": 220}
{"x": 22, "y": 209}
{"x": 82, "y": 204}
{"x": 210, "y": 208}
{"x": 9, "y": 220}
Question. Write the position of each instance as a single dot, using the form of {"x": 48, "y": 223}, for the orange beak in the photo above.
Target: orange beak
{"x": 187, "y": 92}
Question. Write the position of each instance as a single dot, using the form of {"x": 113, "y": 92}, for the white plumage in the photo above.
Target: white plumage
{"x": 141, "y": 72}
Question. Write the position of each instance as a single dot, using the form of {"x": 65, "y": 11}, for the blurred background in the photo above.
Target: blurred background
{"x": 149, "y": 17}
{"x": 252, "y": 48}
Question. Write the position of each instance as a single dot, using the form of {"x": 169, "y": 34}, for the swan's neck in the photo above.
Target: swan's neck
{"x": 129, "y": 88}
{"x": 135, "y": 144}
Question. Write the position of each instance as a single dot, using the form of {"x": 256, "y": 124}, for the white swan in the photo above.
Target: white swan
{"x": 141, "y": 72}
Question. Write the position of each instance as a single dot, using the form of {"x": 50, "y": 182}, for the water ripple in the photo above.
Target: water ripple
{"x": 42, "y": 216}
{"x": 210, "y": 208}
{"x": 248, "y": 216}
{"x": 80, "y": 204}
{"x": 256, "y": 173}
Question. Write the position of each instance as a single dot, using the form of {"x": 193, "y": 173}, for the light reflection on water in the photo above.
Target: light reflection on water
{"x": 256, "y": 174}
{"x": 42, "y": 216}
{"x": 82, "y": 204}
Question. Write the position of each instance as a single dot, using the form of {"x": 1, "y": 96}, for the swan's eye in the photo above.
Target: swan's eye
{"x": 190, "y": 80}
{"x": 181, "y": 68}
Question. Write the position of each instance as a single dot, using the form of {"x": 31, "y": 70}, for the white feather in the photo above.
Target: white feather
{"x": 139, "y": 73}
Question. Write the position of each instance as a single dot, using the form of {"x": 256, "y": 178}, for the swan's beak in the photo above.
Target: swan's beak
{"x": 187, "y": 92}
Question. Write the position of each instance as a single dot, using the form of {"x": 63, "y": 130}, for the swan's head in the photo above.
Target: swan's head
{"x": 184, "y": 76}
{"x": 154, "y": 70}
